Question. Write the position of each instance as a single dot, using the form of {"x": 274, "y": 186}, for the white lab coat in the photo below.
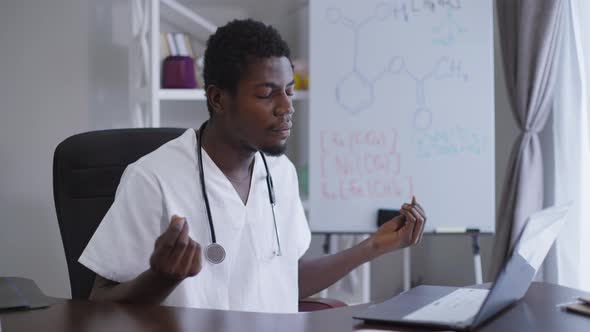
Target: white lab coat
{"x": 166, "y": 182}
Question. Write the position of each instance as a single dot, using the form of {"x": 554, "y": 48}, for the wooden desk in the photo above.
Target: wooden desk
{"x": 537, "y": 312}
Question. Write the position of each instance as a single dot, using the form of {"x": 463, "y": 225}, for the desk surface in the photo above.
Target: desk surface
{"x": 537, "y": 312}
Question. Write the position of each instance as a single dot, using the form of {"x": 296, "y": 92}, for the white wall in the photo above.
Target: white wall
{"x": 44, "y": 99}
{"x": 63, "y": 70}
{"x": 108, "y": 34}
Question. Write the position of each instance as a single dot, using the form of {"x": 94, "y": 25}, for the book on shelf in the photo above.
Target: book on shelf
{"x": 199, "y": 62}
{"x": 181, "y": 44}
{"x": 164, "y": 46}
{"x": 172, "y": 43}
{"x": 189, "y": 46}
{"x": 176, "y": 43}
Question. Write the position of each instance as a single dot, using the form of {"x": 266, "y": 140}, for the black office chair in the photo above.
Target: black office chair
{"x": 86, "y": 172}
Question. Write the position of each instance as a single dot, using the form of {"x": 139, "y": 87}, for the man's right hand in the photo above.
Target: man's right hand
{"x": 176, "y": 256}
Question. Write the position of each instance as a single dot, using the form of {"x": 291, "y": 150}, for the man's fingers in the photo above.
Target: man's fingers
{"x": 181, "y": 245}
{"x": 421, "y": 210}
{"x": 420, "y": 229}
{"x": 184, "y": 264}
{"x": 419, "y": 225}
{"x": 165, "y": 243}
{"x": 408, "y": 228}
{"x": 398, "y": 223}
{"x": 183, "y": 238}
{"x": 423, "y": 224}
{"x": 421, "y": 219}
{"x": 171, "y": 234}
{"x": 417, "y": 206}
{"x": 412, "y": 209}
{"x": 195, "y": 265}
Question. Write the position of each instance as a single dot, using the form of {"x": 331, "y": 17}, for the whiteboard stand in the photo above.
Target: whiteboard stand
{"x": 407, "y": 268}
{"x": 365, "y": 268}
{"x": 366, "y": 278}
{"x": 476, "y": 257}
{"x": 326, "y": 248}
{"x": 407, "y": 261}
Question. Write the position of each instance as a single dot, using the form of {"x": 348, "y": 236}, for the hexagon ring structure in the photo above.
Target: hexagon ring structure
{"x": 354, "y": 93}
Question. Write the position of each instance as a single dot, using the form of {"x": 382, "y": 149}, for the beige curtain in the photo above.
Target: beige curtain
{"x": 530, "y": 31}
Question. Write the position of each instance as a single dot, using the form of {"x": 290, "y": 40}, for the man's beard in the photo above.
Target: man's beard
{"x": 275, "y": 151}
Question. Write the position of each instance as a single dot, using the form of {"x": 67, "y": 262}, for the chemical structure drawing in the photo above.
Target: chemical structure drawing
{"x": 355, "y": 90}
{"x": 447, "y": 30}
{"x": 355, "y": 80}
{"x": 444, "y": 69}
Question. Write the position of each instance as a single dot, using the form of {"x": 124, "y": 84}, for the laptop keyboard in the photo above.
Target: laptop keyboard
{"x": 458, "y": 306}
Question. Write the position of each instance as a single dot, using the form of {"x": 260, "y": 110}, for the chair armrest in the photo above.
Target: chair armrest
{"x": 316, "y": 303}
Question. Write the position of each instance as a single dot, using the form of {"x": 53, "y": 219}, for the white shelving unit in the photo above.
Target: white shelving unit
{"x": 181, "y": 94}
{"x": 145, "y": 90}
{"x": 145, "y": 75}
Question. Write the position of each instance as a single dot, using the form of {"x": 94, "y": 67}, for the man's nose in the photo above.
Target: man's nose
{"x": 285, "y": 107}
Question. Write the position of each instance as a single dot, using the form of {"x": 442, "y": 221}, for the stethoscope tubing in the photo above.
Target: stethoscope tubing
{"x": 269, "y": 183}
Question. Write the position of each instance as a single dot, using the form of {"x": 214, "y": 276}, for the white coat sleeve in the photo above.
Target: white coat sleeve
{"x": 122, "y": 245}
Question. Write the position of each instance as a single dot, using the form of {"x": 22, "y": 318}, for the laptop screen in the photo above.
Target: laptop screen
{"x": 532, "y": 245}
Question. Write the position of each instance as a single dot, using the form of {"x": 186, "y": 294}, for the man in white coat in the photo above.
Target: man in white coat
{"x": 213, "y": 219}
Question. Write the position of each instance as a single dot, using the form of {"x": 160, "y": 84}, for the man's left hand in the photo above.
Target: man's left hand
{"x": 402, "y": 231}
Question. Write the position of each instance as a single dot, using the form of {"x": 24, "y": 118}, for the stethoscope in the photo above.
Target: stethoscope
{"x": 215, "y": 253}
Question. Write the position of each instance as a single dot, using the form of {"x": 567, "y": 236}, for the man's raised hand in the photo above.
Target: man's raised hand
{"x": 176, "y": 256}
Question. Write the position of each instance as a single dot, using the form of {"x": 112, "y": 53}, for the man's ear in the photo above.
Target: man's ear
{"x": 217, "y": 99}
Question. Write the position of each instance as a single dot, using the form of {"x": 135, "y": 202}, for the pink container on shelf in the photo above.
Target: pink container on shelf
{"x": 178, "y": 72}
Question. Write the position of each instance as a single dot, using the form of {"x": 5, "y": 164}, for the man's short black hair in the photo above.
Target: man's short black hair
{"x": 233, "y": 46}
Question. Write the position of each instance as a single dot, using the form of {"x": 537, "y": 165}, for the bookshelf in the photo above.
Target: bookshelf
{"x": 144, "y": 57}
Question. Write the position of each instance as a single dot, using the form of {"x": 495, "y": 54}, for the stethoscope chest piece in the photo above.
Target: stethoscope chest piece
{"x": 215, "y": 253}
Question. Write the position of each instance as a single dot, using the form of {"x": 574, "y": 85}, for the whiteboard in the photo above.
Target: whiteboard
{"x": 401, "y": 104}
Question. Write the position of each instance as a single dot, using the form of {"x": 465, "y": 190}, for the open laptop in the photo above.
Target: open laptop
{"x": 466, "y": 308}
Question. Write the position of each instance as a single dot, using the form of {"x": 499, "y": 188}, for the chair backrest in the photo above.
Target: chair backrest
{"x": 86, "y": 172}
